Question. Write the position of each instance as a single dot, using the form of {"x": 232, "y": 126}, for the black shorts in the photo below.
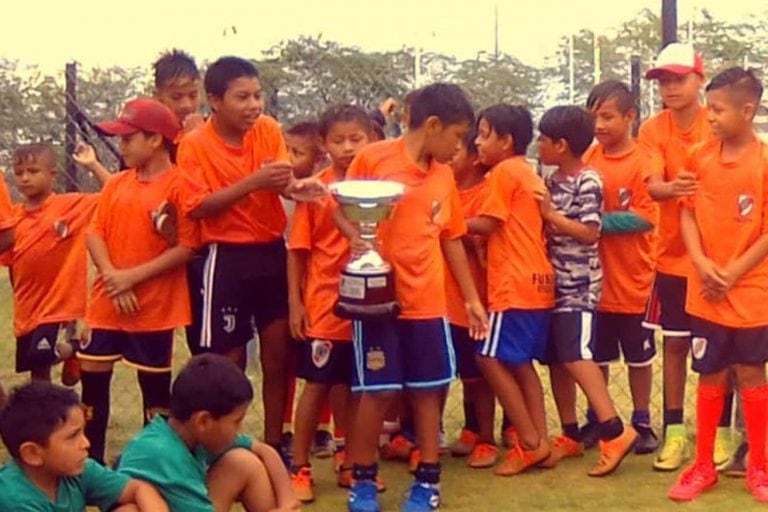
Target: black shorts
{"x": 325, "y": 362}
{"x": 37, "y": 348}
{"x": 465, "y": 348}
{"x": 148, "y": 351}
{"x": 571, "y": 337}
{"x": 195, "y": 285}
{"x": 616, "y": 330}
{"x": 666, "y": 307}
{"x": 715, "y": 347}
{"x": 243, "y": 286}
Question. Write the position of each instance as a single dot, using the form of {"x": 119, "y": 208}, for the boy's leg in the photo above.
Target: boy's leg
{"x": 564, "y": 393}
{"x": 240, "y": 476}
{"x": 530, "y": 384}
{"x": 484, "y": 408}
{"x": 195, "y": 286}
{"x": 150, "y": 353}
{"x": 36, "y": 351}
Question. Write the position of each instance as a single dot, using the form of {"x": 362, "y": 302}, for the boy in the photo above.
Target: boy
{"x": 140, "y": 295}
{"x": 304, "y": 142}
{"x": 571, "y": 209}
{"x": 177, "y": 85}
{"x": 627, "y": 251}
{"x": 47, "y": 263}
{"x": 235, "y": 168}
{"x": 413, "y": 351}
{"x": 317, "y": 253}
{"x": 520, "y": 281}
{"x": 195, "y": 456}
{"x": 668, "y": 135}
{"x": 42, "y": 427}
{"x": 6, "y": 234}
{"x": 724, "y": 229}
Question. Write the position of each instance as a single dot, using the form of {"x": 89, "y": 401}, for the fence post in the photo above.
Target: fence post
{"x": 668, "y": 22}
{"x": 635, "y": 84}
{"x": 70, "y": 127}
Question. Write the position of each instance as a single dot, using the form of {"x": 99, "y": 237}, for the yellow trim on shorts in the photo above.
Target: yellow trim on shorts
{"x": 148, "y": 369}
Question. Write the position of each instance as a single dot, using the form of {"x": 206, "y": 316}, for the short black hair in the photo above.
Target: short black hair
{"x": 505, "y": 119}
{"x": 304, "y": 129}
{"x": 344, "y": 113}
{"x": 569, "y": 123}
{"x": 739, "y": 80}
{"x": 612, "y": 90}
{"x": 211, "y": 383}
{"x": 469, "y": 140}
{"x": 221, "y": 73}
{"x": 172, "y": 65}
{"x": 33, "y": 412}
{"x": 34, "y": 151}
{"x": 445, "y": 101}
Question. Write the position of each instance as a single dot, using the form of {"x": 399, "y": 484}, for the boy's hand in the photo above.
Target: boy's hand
{"x": 541, "y": 194}
{"x": 684, "y": 184}
{"x": 126, "y": 303}
{"x": 272, "y": 176}
{"x": 166, "y": 220}
{"x": 119, "y": 281}
{"x": 297, "y": 320}
{"x": 306, "y": 190}
{"x": 358, "y": 246}
{"x": 84, "y": 155}
{"x": 192, "y": 121}
{"x": 478, "y": 320}
{"x": 715, "y": 285}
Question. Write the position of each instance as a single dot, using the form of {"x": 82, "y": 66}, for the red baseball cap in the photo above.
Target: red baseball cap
{"x": 143, "y": 115}
{"x": 678, "y": 58}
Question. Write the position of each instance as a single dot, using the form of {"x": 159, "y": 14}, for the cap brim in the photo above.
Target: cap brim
{"x": 116, "y": 128}
{"x": 672, "y": 68}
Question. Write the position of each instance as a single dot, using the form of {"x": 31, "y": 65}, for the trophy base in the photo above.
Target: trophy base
{"x": 353, "y": 311}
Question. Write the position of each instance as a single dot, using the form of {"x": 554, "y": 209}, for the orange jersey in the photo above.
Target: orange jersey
{"x": 520, "y": 275}
{"x": 6, "y": 208}
{"x": 669, "y": 147}
{"x": 428, "y": 212}
{"x": 210, "y": 164}
{"x": 48, "y": 261}
{"x": 472, "y": 199}
{"x": 628, "y": 259}
{"x": 314, "y": 230}
{"x": 124, "y": 221}
{"x": 731, "y": 212}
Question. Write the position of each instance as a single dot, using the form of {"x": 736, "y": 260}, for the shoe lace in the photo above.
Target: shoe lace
{"x": 672, "y": 444}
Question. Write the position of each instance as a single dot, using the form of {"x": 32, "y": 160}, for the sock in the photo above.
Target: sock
{"x": 673, "y": 417}
{"x": 572, "y": 430}
{"x": 295, "y": 469}
{"x": 428, "y": 473}
{"x": 641, "y": 419}
{"x": 592, "y": 417}
{"x": 756, "y": 419}
{"x": 709, "y": 407}
{"x": 339, "y": 438}
{"x": 96, "y": 399}
{"x": 611, "y": 429}
{"x": 470, "y": 417}
{"x": 155, "y": 393}
{"x": 407, "y": 429}
{"x": 361, "y": 473}
{"x": 324, "y": 422}
{"x": 725, "y": 418}
{"x": 505, "y": 423}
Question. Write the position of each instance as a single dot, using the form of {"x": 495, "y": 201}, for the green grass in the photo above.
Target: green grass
{"x": 634, "y": 487}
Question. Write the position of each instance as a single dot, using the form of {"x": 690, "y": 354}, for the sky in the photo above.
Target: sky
{"x": 49, "y": 33}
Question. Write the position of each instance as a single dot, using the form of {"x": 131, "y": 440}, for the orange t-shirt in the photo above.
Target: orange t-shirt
{"x": 628, "y": 259}
{"x": 472, "y": 199}
{"x": 428, "y": 212}
{"x": 6, "y": 208}
{"x": 48, "y": 261}
{"x": 731, "y": 211}
{"x": 210, "y": 164}
{"x": 124, "y": 221}
{"x": 315, "y": 231}
{"x": 520, "y": 275}
{"x": 669, "y": 147}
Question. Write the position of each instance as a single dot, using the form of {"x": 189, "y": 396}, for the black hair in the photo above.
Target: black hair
{"x": 304, "y": 129}
{"x": 172, "y": 65}
{"x": 221, "y": 73}
{"x": 33, "y": 412}
{"x": 569, "y": 123}
{"x": 34, "y": 151}
{"x": 612, "y": 90}
{"x": 511, "y": 120}
{"x": 170, "y": 146}
{"x": 445, "y": 101}
{"x": 469, "y": 140}
{"x": 740, "y": 80}
{"x": 342, "y": 114}
{"x": 211, "y": 383}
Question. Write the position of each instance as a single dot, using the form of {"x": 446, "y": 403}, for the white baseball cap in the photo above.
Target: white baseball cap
{"x": 678, "y": 58}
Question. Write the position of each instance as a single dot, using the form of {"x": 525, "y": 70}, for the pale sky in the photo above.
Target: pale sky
{"x": 133, "y": 32}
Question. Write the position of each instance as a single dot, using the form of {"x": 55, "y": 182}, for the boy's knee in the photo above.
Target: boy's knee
{"x": 750, "y": 376}
{"x": 676, "y": 347}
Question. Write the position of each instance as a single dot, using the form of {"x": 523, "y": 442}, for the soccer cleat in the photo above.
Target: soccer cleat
{"x": 70, "y": 372}
{"x": 484, "y": 455}
{"x": 757, "y": 484}
{"x": 613, "y": 452}
{"x": 344, "y": 480}
{"x": 738, "y": 466}
{"x": 509, "y": 438}
{"x": 647, "y": 442}
{"x": 723, "y": 448}
{"x": 692, "y": 482}
{"x": 518, "y": 460}
{"x": 422, "y": 498}
{"x": 363, "y": 497}
{"x": 323, "y": 446}
{"x": 464, "y": 444}
{"x": 414, "y": 459}
{"x": 301, "y": 482}
{"x": 674, "y": 451}
{"x": 399, "y": 448}
{"x": 590, "y": 434}
{"x": 562, "y": 447}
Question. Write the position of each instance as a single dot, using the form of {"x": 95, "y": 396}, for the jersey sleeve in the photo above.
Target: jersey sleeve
{"x": 501, "y": 189}
{"x": 648, "y": 140}
{"x": 6, "y": 208}
{"x": 456, "y": 225}
{"x": 102, "y": 486}
{"x": 690, "y": 164}
{"x": 359, "y": 169}
{"x": 590, "y": 193}
{"x": 300, "y": 236}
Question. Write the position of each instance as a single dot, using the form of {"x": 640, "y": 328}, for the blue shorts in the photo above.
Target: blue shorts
{"x": 394, "y": 354}
{"x": 517, "y": 336}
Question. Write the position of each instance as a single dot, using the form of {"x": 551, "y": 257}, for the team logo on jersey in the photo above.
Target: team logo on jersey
{"x": 698, "y": 347}
{"x": 229, "y": 316}
{"x": 375, "y": 359}
{"x": 61, "y": 228}
{"x": 746, "y": 205}
{"x": 625, "y": 197}
{"x": 321, "y": 352}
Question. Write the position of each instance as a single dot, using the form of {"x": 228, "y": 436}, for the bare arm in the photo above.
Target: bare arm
{"x": 6, "y": 239}
{"x": 588, "y": 233}
{"x": 297, "y": 269}
{"x": 756, "y": 253}
{"x": 118, "y": 281}
{"x": 144, "y": 496}
{"x": 483, "y": 225}
{"x": 99, "y": 252}
{"x": 683, "y": 185}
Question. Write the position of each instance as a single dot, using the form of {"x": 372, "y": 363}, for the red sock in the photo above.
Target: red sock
{"x": 756, "y": 418}
{"x": 339, "y": 433}
{"x": 710, "y": 401}
{"x": 325, "y": 415}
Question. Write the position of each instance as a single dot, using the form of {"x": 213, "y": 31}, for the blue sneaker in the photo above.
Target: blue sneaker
{"x": 363, "y": 497}
{"x": 422, "y": 498}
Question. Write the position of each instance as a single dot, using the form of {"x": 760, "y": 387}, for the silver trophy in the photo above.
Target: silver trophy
{"x": 367, "y": 287}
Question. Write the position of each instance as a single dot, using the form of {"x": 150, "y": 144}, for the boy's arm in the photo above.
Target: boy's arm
{"x": 683, "y": 185}
{"x": 85, "y": 155}
{"x": 6, "y": 239}
{"x": 118, "y": 281}
{"x": 714, "y": 285}
{"x": 297, "y": 269}
{"x": 144, "y": 496}
{"x": 281, "y": 481}
{"x": 456, "y": 258}
{"x": 99, "y": 252}
{"x": 586, "y": 233}
{"x": 756, "y": 253}
{"x": 483, "y": 225}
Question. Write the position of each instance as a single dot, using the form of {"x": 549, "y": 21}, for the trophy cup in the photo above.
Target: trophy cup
{"x": 367, "y": 287}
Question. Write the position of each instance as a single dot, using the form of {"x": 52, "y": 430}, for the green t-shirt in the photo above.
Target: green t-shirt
{"x": 97, "y": 486}
{"x": 159, "y": 456}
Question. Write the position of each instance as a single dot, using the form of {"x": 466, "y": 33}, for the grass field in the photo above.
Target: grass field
{"x": 634, "y": 487}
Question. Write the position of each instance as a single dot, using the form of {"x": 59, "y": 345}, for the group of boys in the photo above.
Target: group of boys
{"x": 494, "y": 265}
